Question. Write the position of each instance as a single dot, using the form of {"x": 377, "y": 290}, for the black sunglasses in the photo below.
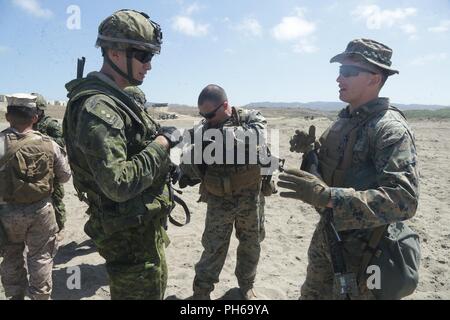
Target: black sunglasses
{"x": 142, "y": 56}
{"x": 212, "y": 114}
{"x": 352, "y": 71}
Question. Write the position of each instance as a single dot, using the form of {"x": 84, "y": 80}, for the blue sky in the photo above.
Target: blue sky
{"x": 258, "y": 50}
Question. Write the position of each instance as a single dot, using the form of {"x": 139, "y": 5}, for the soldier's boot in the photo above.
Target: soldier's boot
{"x": 201, "y": 293}
{"x": 20, "y": 296}
{"x": 248, "y": 293}
{"x": 60, "y": 235}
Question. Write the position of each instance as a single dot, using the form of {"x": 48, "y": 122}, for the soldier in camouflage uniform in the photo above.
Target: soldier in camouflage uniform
{"x": 241, "y": 204}
{"x": 380, "y": 183}
{"x": 29, "y": 162}
{"x": 120, "y": 159}
{"x": 50, "y": 127}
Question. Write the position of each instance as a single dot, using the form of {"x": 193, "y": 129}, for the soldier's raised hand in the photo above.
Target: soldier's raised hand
{"x": 303, "y": 142}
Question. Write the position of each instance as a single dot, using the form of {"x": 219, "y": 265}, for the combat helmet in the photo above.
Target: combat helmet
{"x": 130, "y": 31}
{"x": 41, "y": 103}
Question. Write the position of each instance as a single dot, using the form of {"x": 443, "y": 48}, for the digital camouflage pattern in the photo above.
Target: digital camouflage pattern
{"x": 50, "y": 127}
{"x": 369, "y": 51}
{"x": 380, "y": 187}
{"x": 246, "y": 213}
{"x": 244, "y": 209}
{"x": 123, "y": 173}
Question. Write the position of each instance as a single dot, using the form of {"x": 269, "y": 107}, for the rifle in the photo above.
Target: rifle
{"x": 344, "y": 281}
{"x": 80, "y": 67}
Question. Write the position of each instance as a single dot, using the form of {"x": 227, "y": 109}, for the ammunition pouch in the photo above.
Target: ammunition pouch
{"x": 398, "y": 257}
{"x": 145, "y": 208}
{"x": 229, "y": 180}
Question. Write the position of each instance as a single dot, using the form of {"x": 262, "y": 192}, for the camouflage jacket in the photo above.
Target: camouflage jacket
{"x": 111, "y": 148}
{"x": 50, "y": 127}
{"x": 382, "y": 184}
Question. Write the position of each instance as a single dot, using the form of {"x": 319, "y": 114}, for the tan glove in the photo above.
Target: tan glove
{"x": 307, "y": 187}
{"x": 303, "y": 142}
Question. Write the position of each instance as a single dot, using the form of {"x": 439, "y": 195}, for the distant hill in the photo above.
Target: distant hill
{"x": 333, "y": 106}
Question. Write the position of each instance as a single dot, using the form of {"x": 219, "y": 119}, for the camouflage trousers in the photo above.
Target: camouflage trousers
{"x": 246, "y": 213}
{"x": 32, "y": 228}
{"x": 320, "y": 282}
{"x": 58, "y": 203}
{"x": 135, "y": 259}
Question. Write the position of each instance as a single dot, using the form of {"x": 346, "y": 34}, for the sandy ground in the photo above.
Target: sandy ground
{"x": 289, "y": 227}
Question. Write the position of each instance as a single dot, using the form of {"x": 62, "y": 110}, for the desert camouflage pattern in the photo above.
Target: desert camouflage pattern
{"x": 380, "y": 187}
{"x": 33, "y": 226}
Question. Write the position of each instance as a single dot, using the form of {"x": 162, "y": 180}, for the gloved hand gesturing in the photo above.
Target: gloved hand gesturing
{"x": 302, "y": 142}
{"x": 305, "y": 187}
{"x": 172, "y": 135}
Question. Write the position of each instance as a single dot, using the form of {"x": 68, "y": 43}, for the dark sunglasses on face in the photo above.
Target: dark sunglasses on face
{"x": 212, "y": 114}
{"x": 142, "y": 56}
{"x": 352, "y": 71}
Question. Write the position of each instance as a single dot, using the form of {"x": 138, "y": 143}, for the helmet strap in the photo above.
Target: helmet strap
{"x": 129, "y": 74}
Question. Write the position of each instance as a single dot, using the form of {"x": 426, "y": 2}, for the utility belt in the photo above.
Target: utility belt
{"x": 229, "y": 180}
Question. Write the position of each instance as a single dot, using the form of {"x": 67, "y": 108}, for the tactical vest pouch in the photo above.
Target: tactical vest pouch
{"x": 228, "y": 183}
{"x": 28, "y": 175}
{"x": 144, "y": 209}
{"x": 399, "y": 262}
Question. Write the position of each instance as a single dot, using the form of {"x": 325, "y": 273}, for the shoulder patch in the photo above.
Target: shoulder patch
{"x": 102, "y": 107}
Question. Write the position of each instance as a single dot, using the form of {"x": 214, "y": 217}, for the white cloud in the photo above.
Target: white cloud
{"x": 195, "y": 7}
{"x": 408, "y": 28}
{"x": 296, "y": 29}
{"x": 305, "y": 46}
{"x": 429, "y": 58}
{"x": 377, "y": 18}
{"x": 444, "y": 26}
{"x": 33, "y": 7}
{"x": 250, "y": 27}
{"x": 293, "y": 27}
{"x": 188, "y": 26}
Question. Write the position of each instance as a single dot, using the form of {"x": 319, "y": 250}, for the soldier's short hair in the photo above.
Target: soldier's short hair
{"x": 213, "y": 93}
{"x": 20, "y": 115}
